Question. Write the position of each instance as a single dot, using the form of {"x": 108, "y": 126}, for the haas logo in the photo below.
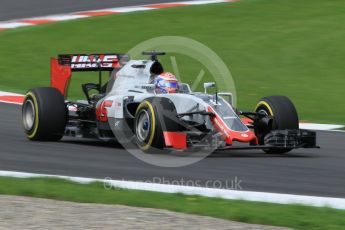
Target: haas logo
{"x": 91, "y": 61}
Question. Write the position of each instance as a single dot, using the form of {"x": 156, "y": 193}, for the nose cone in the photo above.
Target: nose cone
{"x": 245, "y": 137}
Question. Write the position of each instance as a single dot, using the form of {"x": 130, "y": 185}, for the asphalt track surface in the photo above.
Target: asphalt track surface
{"x": 319, "y": 172}
{"x": 15, "y": 9}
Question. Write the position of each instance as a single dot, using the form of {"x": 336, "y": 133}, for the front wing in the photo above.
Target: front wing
{"x": 284, "y": 139}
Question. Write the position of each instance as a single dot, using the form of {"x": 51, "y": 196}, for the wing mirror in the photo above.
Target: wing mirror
{"x": 209, "y": 85}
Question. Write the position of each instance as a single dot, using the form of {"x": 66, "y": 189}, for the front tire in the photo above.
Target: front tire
{"x": 154, "y": 116}
{"x": 44, "y": 114}
{"x": 284, "y": 117}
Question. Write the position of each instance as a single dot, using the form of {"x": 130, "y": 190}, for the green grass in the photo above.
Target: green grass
{"x": 295, "y": 216}
{"x": 288, "y": 47}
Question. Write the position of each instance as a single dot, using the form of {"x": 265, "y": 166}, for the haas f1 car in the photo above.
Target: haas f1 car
{"x": 128, "y": 108}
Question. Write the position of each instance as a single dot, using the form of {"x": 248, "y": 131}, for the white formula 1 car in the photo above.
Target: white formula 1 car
{"x": 128, "y": 109}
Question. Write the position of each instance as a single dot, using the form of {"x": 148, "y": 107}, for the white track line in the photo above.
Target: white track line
{"x": 12, "y": 25}
{"x": 320, "y": 127}
{"x": 278, "y": 198}
{"x": 59, "y": 18}
{"x": 128, "y": 9}
{"x": 2, "y": 93}
{"x": 202, "y": 2}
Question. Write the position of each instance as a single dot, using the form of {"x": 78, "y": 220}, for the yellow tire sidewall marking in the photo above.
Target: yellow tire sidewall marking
{"x": 153, "y": 123}
{"x": 266, "y": 105}
{"x": 34, "y": 132}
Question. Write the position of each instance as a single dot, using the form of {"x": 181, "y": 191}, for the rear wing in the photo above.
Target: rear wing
{"x": 93, "y": 62}
{"x": 61, "y": 68}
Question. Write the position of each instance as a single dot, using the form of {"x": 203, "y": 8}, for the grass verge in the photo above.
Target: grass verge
{"x": 294, "y": 216}
{"x": 293, "y": 48}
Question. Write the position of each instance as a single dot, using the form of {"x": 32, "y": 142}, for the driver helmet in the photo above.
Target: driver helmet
{"x": 166, "y": 83}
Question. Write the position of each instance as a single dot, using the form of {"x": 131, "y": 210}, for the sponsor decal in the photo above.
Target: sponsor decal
{"x": 93, "y": 61}
{"x": 117, "y": 123}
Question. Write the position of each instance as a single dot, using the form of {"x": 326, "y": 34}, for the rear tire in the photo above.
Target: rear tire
{"x": 284, "y": 116}
{"x": 44, "y": 114}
